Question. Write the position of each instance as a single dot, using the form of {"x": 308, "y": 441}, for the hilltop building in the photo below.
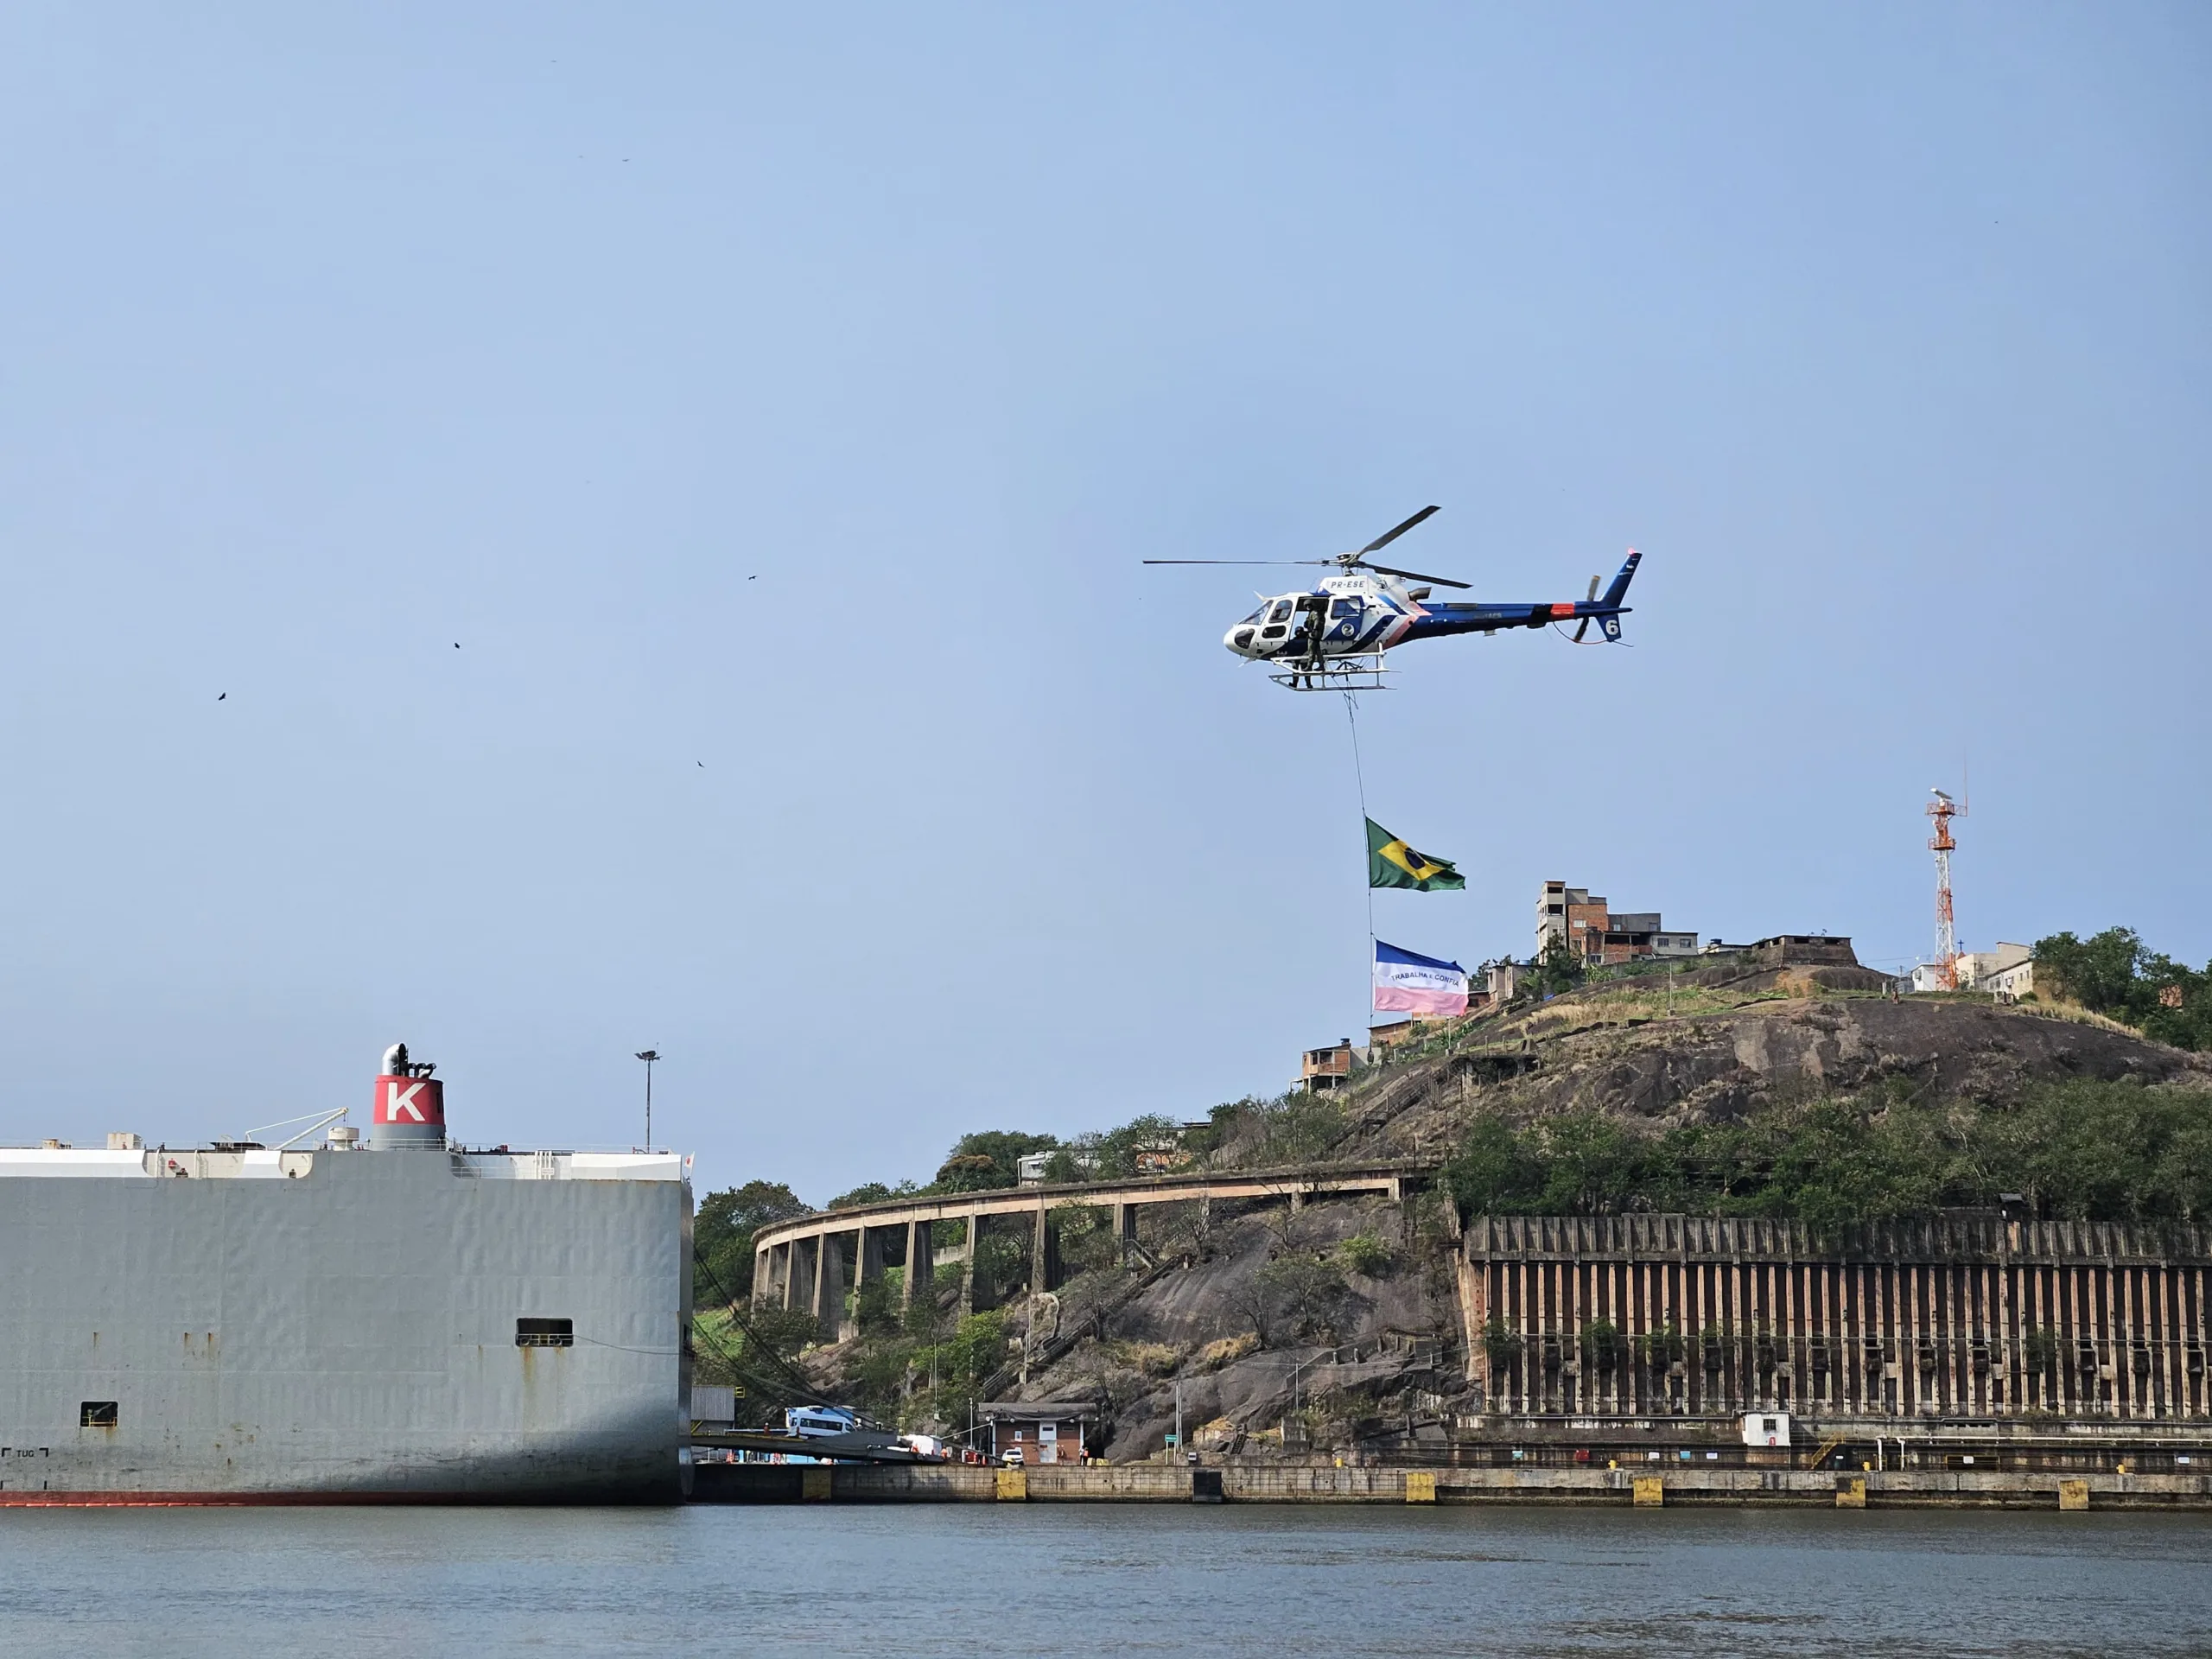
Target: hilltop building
{"x": 2009, "y": 970}
{"x": 1976, "y": 968}
{"x": 1587, "y": 925}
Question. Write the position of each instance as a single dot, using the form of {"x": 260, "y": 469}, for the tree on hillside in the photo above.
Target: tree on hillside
{"x": 2110, "y": 973}
{"x": 1557, "y": 969}
{"x": 988, "y": 1159}
{"x": 722, "y": 1231}
{"x": 872, "y": 1192}
{"x": 2087, "y": 1149}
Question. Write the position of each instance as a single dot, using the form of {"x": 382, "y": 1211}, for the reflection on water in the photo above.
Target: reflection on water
{"x": 1040, "y": 1578}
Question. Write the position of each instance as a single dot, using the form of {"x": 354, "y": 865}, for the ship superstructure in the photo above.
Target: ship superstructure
{"x": 403, "y": 1321}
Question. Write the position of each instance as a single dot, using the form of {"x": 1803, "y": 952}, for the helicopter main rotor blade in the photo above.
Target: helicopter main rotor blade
{"x": 1237, "y": 561}
{"x": 1390, "y": 536}
{"x": 1415, "y": 575}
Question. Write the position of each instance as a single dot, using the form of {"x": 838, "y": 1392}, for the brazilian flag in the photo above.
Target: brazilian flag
{"x": 1391, "y": 863}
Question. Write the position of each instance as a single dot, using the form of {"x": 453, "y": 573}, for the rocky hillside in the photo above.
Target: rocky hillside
{"x": 1340, "y": 1319}
{"x": 1728, "y": 1051}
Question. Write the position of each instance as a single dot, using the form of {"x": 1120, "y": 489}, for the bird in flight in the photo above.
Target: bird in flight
{"x": 220, "y": 695}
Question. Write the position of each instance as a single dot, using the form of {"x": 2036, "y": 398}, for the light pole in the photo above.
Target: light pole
{"x": 649, "y": 1055}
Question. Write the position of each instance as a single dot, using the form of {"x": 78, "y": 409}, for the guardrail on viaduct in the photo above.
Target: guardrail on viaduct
{"x": 811, "y": 1262}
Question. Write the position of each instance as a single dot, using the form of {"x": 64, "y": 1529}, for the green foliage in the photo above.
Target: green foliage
{"x": 1364, "y": 1254}
{"x": 1297, "y": 1129}
{"x": 961, "y": 1362}
{"x": 988, "y": 1160}
{"x": 872, "y": 1192}
{"x": 875, "y": 1306}
{"x": 2088, "y": 1150}
{"x": 1118, "y": 1148}
{"x": 1077, "y": 1162}
{"x": 2042, "y": 1349}
{"x": 1305, "y": 1295}
{"x": 1112, "y": 1156}
{"x": 1558, "y": 969}
{"x": 722, "y": 1231}
{"x": 1000, "y": 1263}
{"x": 2110, "y": 973}
{"x": 1087, "y": 1241}
{"x": 781, "y": 1331}
{"x": 1499, "y": 1345}
{"x": 1601, "y": 1343}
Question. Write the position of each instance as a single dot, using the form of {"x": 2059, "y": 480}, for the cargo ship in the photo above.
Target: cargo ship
{"x": 393, "y": 1320}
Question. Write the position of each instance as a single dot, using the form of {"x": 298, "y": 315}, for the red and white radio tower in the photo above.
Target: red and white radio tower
{"x": 1942, "y": 809}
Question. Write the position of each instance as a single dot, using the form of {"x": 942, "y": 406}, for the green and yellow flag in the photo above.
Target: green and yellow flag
{"x": 1391, "y": 863}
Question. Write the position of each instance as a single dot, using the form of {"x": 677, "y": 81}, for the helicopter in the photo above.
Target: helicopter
{"x": 1333, "y": 638}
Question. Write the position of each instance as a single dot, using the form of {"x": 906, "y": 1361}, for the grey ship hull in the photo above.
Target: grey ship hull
{"x": 343, "y": 1328}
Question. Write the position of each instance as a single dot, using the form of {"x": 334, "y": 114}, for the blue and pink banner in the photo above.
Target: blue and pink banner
{"x": 1406, "y": 983}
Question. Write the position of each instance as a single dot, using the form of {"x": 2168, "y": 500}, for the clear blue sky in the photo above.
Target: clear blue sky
{"x": 338, "y": 334}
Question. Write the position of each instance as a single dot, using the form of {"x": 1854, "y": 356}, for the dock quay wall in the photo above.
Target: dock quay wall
{"x": 1960, "y": 1317}
{"x": 1155, "y": 1483}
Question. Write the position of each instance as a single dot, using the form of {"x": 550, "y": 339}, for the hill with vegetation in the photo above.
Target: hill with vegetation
{"x": 1811, "y": 1093}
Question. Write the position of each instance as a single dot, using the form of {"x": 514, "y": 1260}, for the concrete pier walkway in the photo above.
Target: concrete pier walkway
{"x": 756, "y": 1483}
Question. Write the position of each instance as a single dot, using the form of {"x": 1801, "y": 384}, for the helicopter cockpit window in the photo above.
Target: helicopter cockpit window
{"x": 1279, "y": 611}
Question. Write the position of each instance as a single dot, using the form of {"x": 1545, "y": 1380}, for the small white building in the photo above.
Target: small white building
{"x": 1766, "y": 1428}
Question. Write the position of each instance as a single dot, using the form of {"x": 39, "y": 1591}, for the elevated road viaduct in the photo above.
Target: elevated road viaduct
{"x": 813, "y": 1261}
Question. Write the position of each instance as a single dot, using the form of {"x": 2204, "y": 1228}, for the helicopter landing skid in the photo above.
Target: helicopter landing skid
{"x": 1335, "y": 674}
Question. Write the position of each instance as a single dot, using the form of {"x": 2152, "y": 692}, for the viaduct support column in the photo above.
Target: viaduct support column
{"x": 919, "y": 1265}
{"x": 868, "y": 1265}
{"x": 829, "y": 1287}
{"x": 802, "y": 1255}
{"x": 967, "y": 1264}
{"x": 761, "y": 1277}
{"x": 1036, "y": 1285}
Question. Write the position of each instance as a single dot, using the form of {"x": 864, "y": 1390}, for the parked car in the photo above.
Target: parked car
{"x": 1012, "y": 1457}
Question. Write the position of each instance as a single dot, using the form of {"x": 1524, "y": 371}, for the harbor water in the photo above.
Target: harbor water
{"x": 979, "y": 1581}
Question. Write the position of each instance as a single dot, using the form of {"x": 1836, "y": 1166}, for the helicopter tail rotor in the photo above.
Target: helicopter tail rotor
{"x": 1583, "y": 626}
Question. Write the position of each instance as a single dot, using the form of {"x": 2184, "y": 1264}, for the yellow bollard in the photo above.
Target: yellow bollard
{"x": 2073, "y": 1494}
{"x": 1420, "y": 1487}
{"x": 1650, "y": 1492}
{"x": 814, "y": 1485}
{"x": 1851, "y": 1492}
{"x": 1014, "y": 1485}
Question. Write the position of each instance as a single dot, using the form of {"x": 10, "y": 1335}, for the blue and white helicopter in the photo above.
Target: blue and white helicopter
{"x": 1333, "y": 637}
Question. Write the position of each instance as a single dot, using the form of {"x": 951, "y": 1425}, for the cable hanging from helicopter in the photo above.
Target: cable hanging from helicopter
{"x": 1334, "y": 637}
